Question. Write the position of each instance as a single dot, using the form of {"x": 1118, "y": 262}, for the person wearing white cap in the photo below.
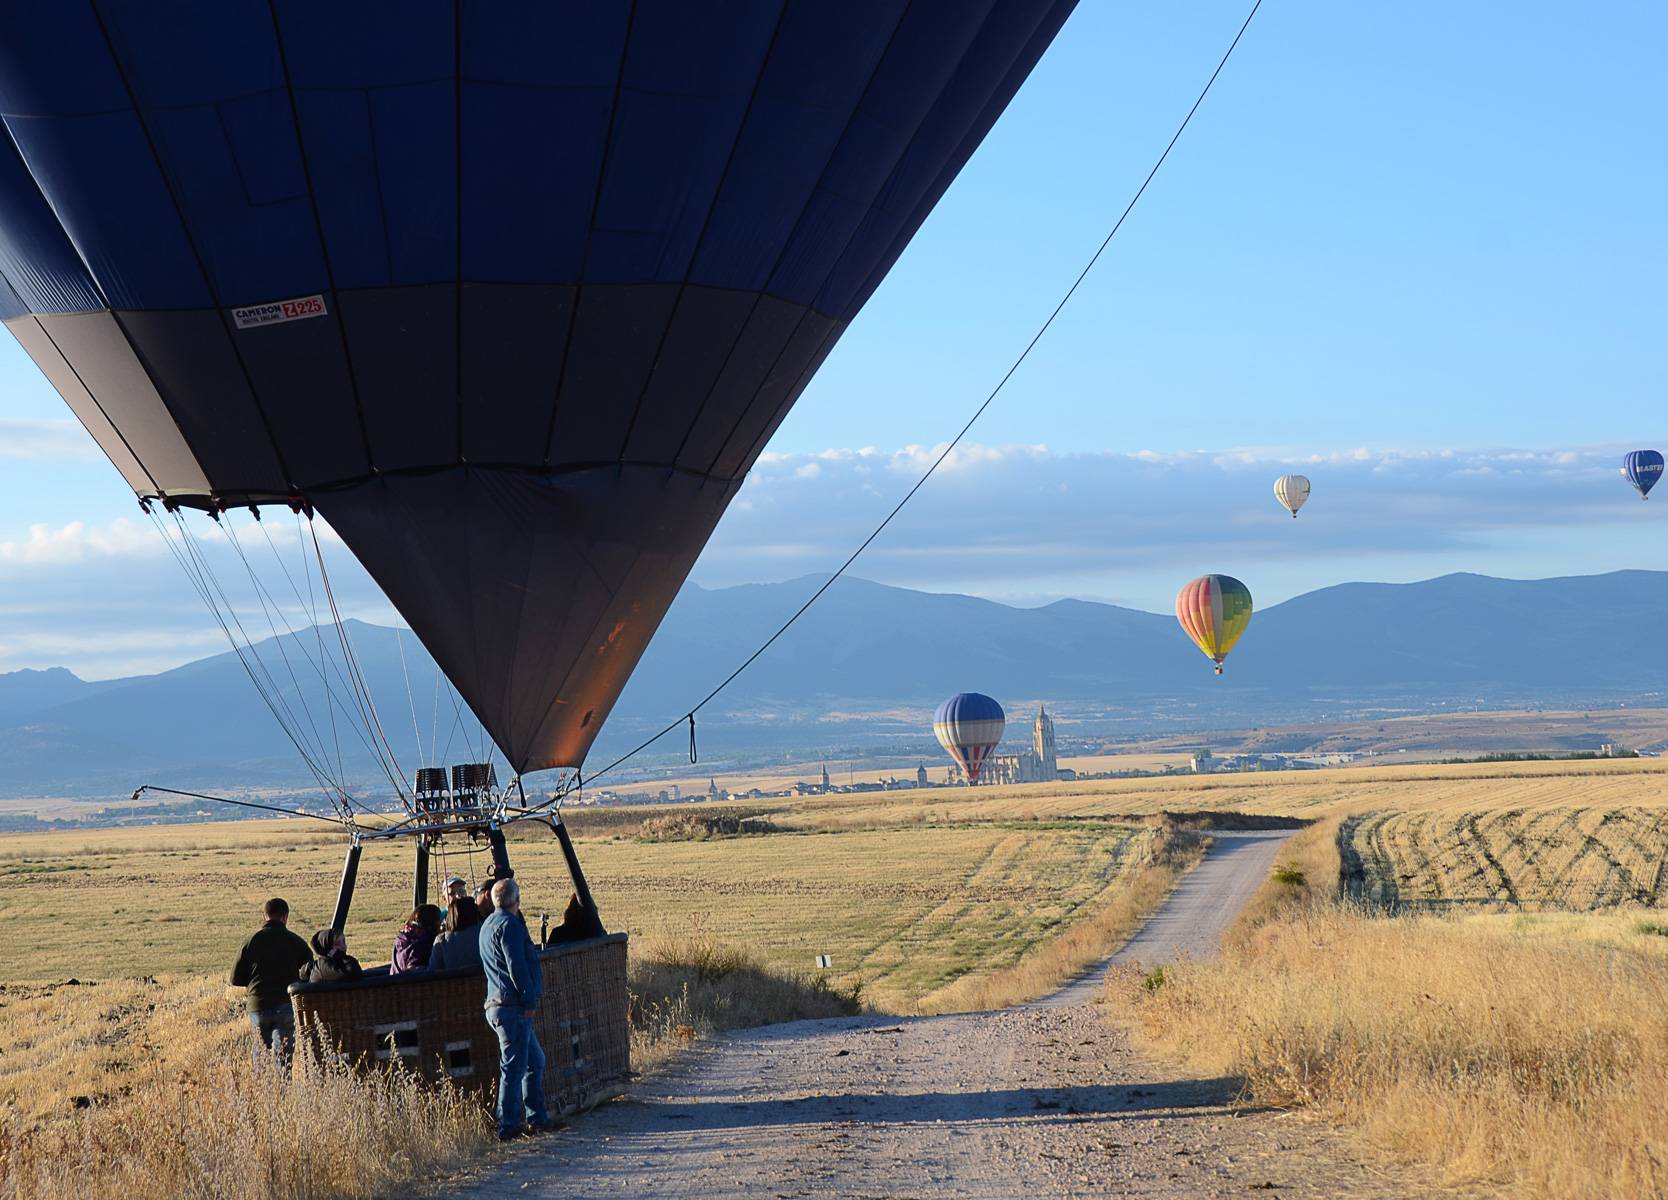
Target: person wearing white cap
{"x": 457, "y": 888}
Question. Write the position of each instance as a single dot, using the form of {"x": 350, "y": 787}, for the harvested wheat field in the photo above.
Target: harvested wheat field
{"x": 902, "y": 910}
{"x": 1307, "y": 794}
{"x": 1521, "y": 1051}
{"x": 947, "y": 901}
{"x": 112, "y": 1039}
{"x": 1534, "y": 858}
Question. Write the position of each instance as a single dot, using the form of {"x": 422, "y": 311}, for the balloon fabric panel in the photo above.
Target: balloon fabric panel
{"x": 1292, "y": 491}
{"x": 514, "y": 296}
{"x": 1642, "y": 468}
{"x": 1214, "y": 610}
{"x": 969, "y": 726}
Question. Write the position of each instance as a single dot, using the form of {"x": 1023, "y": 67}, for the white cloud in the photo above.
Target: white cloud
{"x": 37, "y": 438}
{"x": 1005, "y": 517}
{"x": 1018, "y": 521}
{"x": 109, "y": 599}
{"x": 967, "y": 456}
{"x": 77, "y": 541}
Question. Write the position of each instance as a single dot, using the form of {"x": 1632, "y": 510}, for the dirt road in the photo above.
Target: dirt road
{"x": 1191, "y": 922}
{"x": 1045, "y": 1101}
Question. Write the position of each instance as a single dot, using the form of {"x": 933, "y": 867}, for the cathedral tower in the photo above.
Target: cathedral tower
{"x": 1042, "y": 744}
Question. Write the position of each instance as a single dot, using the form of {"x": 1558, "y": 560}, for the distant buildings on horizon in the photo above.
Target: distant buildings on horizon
{"x": 1039, "y": 763}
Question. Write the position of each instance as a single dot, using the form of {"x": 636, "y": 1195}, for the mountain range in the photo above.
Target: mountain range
{"x": 863, "y": 668}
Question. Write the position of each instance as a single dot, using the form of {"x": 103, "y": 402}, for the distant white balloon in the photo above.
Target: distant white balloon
{"x": 1292, "y": 491}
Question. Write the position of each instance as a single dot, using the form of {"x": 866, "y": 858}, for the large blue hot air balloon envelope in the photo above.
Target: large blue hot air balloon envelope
{"x": 512, "y": 294}
{"x": 969, "y": 726}
{"x": 1642, "y": 468}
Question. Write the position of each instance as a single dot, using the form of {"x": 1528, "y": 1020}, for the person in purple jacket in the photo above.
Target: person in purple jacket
{"x": 413, "y": 943}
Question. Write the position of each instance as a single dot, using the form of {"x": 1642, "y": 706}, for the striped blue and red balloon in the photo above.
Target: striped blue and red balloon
{"x": 969, "y": 726}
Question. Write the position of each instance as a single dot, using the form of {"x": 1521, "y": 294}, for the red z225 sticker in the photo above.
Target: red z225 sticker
{"x": 278, "y": 312}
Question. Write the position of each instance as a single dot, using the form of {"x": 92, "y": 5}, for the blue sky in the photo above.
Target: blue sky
{"x": 1415, "y": 251}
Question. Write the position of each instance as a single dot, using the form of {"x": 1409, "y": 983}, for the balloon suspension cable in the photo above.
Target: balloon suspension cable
{"x": 385, "y": 755}
{"x": 201, "y": 575}
{"x": 971, "y": 421}
{"x": 410, "y": 696}
{"x": 310, "y": 607}
{"x": 345, "y": 822}
{"x": 270, "y": 607}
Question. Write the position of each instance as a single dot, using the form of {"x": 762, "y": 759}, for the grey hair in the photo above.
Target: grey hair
{"x": 505, "y": 893}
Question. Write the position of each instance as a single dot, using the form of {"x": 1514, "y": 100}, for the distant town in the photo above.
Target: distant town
{"x": 1038, "y": 764}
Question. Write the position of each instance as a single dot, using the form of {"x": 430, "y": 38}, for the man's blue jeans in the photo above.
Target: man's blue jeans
{"x": 520, "y": 1069}
{"x": 274, "y": 1030}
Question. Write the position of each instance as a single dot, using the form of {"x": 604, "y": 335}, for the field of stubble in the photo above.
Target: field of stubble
{"x": 919, "y": 899}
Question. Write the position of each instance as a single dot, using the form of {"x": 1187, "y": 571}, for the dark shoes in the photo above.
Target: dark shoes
{"x": 527, "y": 1131}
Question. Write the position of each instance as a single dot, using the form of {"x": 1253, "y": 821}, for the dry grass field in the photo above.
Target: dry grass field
{"x": 1310, "y": 795}
{"x": 903, "y": 910}
{"x": 1575, "y": 858}
{"x": 944, "y": 900}
{"x": 907, "y": 891}
{"x": 144, "y": 1087}
{"x": 106, "y": 1077}
{"x": 1522, "y": 1050}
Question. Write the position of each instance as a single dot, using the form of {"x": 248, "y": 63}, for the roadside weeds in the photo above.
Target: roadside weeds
{"x": 168, "y": 1104}
{"x": 1495, "y": 1056}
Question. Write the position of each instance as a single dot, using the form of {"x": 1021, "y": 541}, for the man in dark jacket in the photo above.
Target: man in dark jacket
{"x": 269, "y": 962}
{"x": 515, "y": 982}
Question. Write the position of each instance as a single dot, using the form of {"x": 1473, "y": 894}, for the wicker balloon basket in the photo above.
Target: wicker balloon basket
{"x": 433, "y": 1023}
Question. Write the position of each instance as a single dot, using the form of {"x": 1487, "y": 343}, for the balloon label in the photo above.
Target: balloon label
{"x": 278, "y": 312}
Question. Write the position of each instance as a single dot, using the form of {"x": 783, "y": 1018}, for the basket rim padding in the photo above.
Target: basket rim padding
{"x": 378, "y": 977}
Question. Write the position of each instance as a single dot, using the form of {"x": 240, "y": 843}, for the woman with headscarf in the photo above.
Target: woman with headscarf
{"x": 332, "y": 963}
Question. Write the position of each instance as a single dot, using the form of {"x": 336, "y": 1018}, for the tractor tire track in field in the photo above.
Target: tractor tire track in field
{"x": 1537, "y": 848}
{"x": 1618, "y": 883}
{"x": 1654, "y": 896}
{"x": 1502, "y": 879}
{"x": 1040, "y": 1101}
{"x": 1413, "y": 828}
{"x": 1366, "y": 871}
{"x": 1389, "y": 888}
{"x": 1563, "y": 884}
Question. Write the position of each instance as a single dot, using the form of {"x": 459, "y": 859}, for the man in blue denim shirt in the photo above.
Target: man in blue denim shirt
{"x": 515, "y": 981}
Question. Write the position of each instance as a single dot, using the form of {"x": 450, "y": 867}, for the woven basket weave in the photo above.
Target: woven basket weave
{"x": 433, "y": 1023}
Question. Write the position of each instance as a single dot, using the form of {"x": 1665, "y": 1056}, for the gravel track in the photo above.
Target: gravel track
{"x": 1190, "y": 923}
{"x": 1048, "y": 1100}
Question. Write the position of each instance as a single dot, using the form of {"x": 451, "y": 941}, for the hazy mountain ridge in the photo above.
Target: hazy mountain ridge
{"x": 865, "y": 647}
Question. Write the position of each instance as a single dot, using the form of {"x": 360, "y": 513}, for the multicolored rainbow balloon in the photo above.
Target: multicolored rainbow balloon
{"x": 1214, "y": 610}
